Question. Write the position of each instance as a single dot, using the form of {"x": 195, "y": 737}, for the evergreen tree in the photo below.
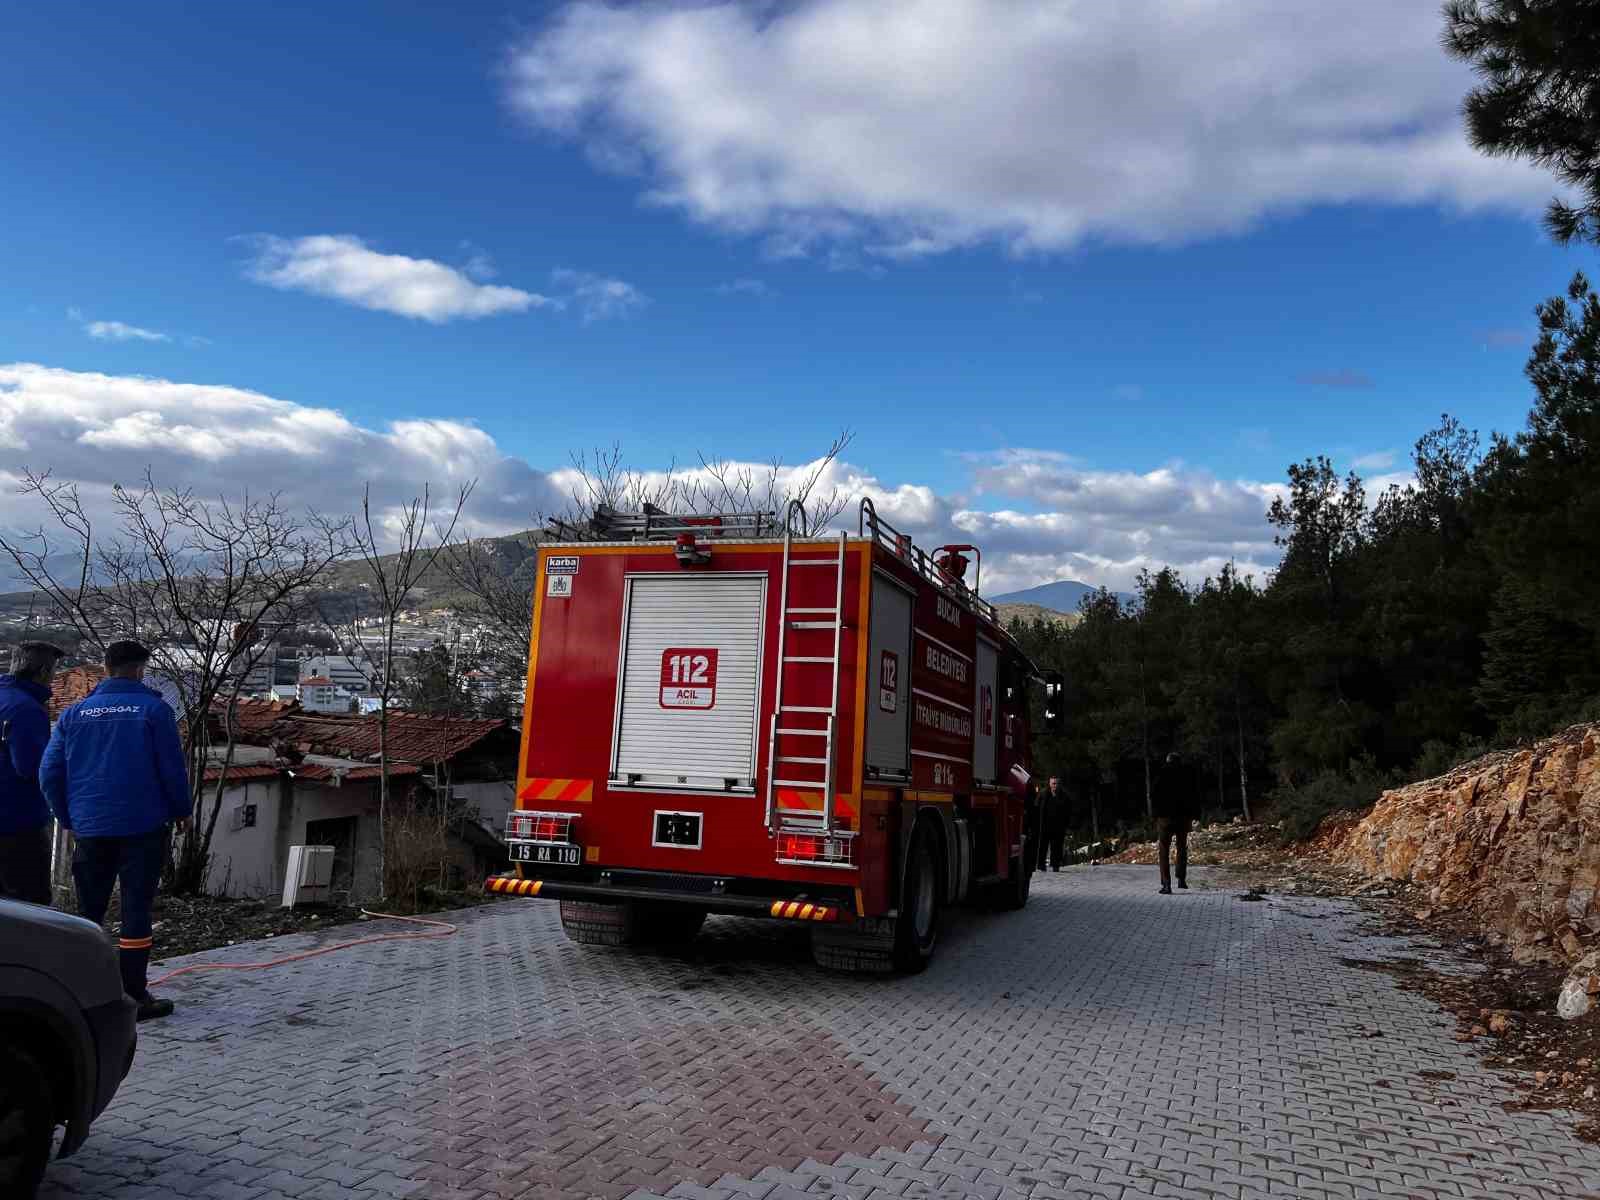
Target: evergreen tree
{"x": 1425, "y": 589}
{"x": 1459, "y": 609}
{"x": 1321, "y": 673}
{"x": 1540, "y": 493}
{"x": 1220, "y": 698}
{"x": 436, "y": 685}
{"x": 1539, "y": 95}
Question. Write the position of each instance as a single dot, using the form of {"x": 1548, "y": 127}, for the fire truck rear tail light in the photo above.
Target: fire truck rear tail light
{"x": 524, "y": 826}
{"x": 815, "y": 850}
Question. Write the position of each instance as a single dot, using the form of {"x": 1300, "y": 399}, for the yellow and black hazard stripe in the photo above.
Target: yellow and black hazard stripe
{"x": 513, "y": 887}
{"x": 799, "y": 910}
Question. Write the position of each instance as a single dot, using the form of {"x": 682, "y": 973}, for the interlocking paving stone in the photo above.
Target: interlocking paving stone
{"x": 1105, "y": 1043}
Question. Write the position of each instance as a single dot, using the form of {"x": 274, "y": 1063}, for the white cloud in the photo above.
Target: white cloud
{"x": 115, "y": 331}
{"x": 1100, "y": 527}
{"x": 597, "y": 297}
{"x": 345, "y": 268}
{"x": 1039, "y": 515}
{"x": 745, "y": 287}
{"x": 1378, "y": 460}
{"x": 479, "y": 266}
{"x": 1380, "y": 483}
{"x": 1104, "y": 526}
{"x": 909, "y": 127}
{"x": 103, "y": 429}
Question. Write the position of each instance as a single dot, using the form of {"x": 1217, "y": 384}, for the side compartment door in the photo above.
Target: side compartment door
{"x": 888, "y": 690}
{"x": 986, "y": 704}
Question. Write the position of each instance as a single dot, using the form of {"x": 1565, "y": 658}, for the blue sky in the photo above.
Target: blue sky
{"x": 714, "y": 258}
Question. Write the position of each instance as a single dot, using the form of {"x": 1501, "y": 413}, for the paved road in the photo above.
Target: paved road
{"x": 1108, "y": 1042}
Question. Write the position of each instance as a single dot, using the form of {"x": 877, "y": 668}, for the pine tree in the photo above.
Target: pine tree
{"x": 1539, "y": 95}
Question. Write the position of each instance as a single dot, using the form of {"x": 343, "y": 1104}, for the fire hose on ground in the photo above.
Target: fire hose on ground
{"x": 437, "y": 929}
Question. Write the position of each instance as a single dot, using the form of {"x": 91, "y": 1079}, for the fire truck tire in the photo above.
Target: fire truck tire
{"x": 883, "y": 946}
{"x": 591, "y": 924}
{"x": 1012, "y": 894}
{"x": 916, "y": 931}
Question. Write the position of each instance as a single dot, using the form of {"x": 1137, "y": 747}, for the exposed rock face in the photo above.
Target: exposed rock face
{"x": 1581, "y": 991}
{"x": 1513, "y": 836}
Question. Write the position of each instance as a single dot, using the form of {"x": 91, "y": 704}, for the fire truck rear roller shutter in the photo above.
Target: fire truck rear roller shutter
{"x": 705, "y": 746}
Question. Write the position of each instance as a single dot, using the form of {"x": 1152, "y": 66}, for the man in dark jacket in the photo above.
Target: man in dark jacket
{"x": 114, "y": 774}
{"x": 1173, "y": 802}
{"x": 25, "y": 730}
{"x": 1053, "y": 819}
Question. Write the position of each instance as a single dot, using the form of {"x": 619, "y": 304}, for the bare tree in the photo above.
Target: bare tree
{"x": 418, "y": 533}
{"x": 496, "y": 574}
{"x": 196, "y": 580}
{"x": 605, "y": 481}
{"x": 726, "y": 486}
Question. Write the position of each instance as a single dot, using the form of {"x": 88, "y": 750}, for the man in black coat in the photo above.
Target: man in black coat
{"x": 1173, "y": 802}
{"x": 1053, "y": 821}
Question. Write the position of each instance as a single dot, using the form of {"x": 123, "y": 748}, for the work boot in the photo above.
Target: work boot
{"x": 1184, "y": 884}
{"x": 1165, "y": 890}
{"x": 151, "y": 1009}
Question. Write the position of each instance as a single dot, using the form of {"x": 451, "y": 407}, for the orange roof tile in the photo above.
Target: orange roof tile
{"x": 413, "y": 737}
{"x": 71, "y": 685}
{"x": 250, "y": 716}
{"x": 244, "y": 772}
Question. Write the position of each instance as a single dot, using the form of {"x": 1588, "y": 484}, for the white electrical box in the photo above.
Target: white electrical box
{"x": 309, "y": 879}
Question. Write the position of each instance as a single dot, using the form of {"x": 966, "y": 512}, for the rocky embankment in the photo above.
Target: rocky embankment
{"x": 1513, "y": 837}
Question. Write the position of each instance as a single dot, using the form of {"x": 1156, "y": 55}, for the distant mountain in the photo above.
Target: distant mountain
{"x": 1061, "y": 596}
{"x": 62, "y": 566}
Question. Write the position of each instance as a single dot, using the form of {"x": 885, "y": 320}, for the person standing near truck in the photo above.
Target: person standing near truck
{"x": 1053, "y": 812}
{"x": 24, "y": 732}
{"x": 1172, "y": 800}
{"x": 114, "y": 774}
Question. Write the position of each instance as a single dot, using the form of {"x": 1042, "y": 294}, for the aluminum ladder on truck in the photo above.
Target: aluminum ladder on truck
{"x": 805, "y": 772}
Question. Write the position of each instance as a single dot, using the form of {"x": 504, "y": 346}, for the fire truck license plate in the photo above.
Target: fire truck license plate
{"x": 561, "y": 856}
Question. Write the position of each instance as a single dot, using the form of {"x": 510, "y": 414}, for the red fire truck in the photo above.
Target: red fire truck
{"x": 725, "y": 716}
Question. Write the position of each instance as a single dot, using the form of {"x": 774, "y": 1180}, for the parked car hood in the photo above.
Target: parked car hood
{"x": 74, "y": 952}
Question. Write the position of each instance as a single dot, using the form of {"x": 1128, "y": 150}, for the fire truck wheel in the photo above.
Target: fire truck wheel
{"x": 1013, "y": 893}
{"x": 591, "y": 924}
{"x": 916, "y": 930}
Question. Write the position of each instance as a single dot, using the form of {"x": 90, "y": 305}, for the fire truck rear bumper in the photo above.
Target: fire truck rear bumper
{"x": 782, "y": 908}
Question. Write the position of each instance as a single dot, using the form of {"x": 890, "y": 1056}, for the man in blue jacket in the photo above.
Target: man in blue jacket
{"x": 24, "y": 730}
{"x": 114, "y": 774}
